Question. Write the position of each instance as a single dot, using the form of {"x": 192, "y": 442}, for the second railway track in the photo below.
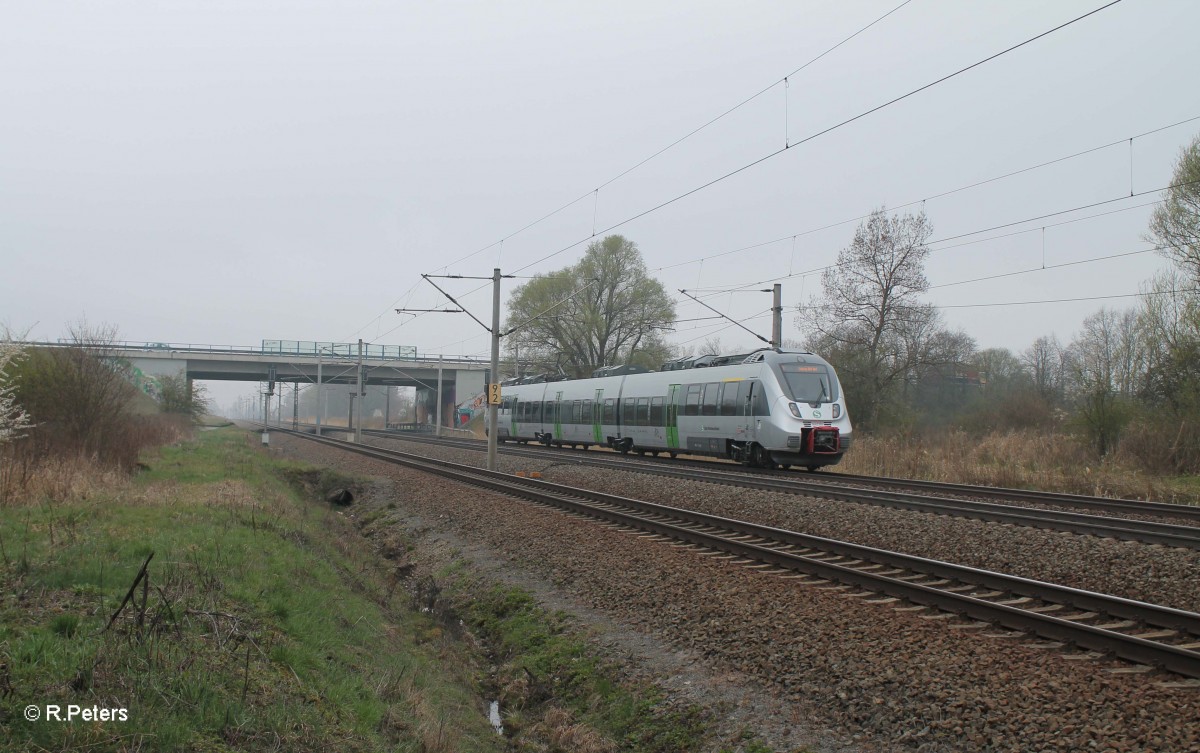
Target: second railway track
{"x": 1102, "y": 624}
{"x": 1128, "y": 529}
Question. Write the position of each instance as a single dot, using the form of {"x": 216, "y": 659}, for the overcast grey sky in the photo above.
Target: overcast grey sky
{"x": 227, "y": 172}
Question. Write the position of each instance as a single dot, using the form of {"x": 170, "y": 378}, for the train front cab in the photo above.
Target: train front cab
{"x": 809, "y": 424}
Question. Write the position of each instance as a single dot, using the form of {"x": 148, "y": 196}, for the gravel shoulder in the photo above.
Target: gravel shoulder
{"x": 803, "y": 666}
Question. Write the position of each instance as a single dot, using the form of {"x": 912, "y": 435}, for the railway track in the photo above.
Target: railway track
{"x": 1145, "y": 531}
{"x": 1099, "y": 624}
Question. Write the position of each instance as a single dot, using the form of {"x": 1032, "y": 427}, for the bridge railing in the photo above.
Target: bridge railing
{"x": 373, "y": 353}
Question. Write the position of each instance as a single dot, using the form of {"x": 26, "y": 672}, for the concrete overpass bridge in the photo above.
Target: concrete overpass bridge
{"x": 305, "y": 362}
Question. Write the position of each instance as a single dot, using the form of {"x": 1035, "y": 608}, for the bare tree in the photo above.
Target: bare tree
{"x": 1100, "y": 372}
{"x": 1170, "y": 326}
{"x": 1046, "y": 363}
{"x": 870, "y": 318}
{"x": 999, "y": 370}
{"x": 79, "y": 393}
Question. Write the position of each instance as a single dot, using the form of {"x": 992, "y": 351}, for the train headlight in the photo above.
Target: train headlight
{"x": 795, "y": 409}
{"x": 837, "y": 411}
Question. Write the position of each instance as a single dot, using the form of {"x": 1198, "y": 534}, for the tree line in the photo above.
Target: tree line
{"x": 1130, "y": 375}
{"x": 1128, "y": 378}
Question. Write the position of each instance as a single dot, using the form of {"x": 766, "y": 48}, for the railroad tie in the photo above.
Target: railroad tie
{"x": 1048, "y": 645}
{"x": 1188, "y": 684}
{"x": 1011, "y": 602}
{"x": 1156, "y": 634}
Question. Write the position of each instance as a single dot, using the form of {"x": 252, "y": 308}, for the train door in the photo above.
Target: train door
{"x": 558, "y": 411}
{"x": 672, "y": 414}
{"x": 759, "y": 409}
{"x": 597, "y": 416}
{"x": 746, "y": 429}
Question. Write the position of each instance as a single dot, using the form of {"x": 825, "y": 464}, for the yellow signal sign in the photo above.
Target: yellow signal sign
{"x": 493, "y": 394}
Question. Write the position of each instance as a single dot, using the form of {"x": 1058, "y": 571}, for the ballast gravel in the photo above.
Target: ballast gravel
{"x": 836, "y": 673}
{"x": 1162, "y": 575}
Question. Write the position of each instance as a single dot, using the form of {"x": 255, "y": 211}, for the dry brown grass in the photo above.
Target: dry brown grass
{"x": 1050, "y": 461}
{"x": 563, "y": 733}
{"x": 38, "y": 469}
{"x": 58, "y": 479}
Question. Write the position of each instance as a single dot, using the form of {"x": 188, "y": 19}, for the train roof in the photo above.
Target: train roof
{"x": 763, "y": 355}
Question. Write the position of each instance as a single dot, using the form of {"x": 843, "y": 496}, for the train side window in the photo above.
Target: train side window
{"x": 729, "y": 402}
{"x": 656, "y": 411}
{"x": 576, "y": 411}
{"x": 643, "y": 411}
{"x": 587, "y": 412}
{"x": 550, "y": 412}
{"x": 709, "y": 406}
{"x": 610, "y": 410}
{"x": 628, "y": 411}
{"x": 691, "y": 406}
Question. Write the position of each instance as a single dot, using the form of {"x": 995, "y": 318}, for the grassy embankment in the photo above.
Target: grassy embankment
{"x": 269, "y": 622}
{"x": 264, "y": 622}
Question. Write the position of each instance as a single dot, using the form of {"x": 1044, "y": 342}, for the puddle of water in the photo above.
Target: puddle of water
{"x": 494, "y": 718}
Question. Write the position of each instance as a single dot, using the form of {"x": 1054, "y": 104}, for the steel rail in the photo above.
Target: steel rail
{"x": 780, "y": 548}
{"x": 1109, "y": 504}
{"x": 1148, "y": 532}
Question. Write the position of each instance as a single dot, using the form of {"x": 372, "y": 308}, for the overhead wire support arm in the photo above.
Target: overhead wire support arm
{"x": 455, "y": 301}
{"x": 493, "y": 390}
{"x": 723, "y": 316}
{"x": 431, "y": 311}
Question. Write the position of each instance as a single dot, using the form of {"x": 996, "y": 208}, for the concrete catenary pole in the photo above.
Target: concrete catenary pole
{"x": 266, "y": 437}
{"x": 493, "y": 408}
{"x": 777, "y": 317}
{"x": 437, "y": 421}
{"x": 320, "y": 408}
{"x": 359, "y": 392}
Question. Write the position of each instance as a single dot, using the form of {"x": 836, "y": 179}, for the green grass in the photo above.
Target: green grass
{"x": 265, "y": 624}
{"x": 269, "y": 622}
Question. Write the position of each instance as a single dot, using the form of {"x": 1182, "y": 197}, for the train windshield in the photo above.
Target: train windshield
{"x": 809, "y": 383}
